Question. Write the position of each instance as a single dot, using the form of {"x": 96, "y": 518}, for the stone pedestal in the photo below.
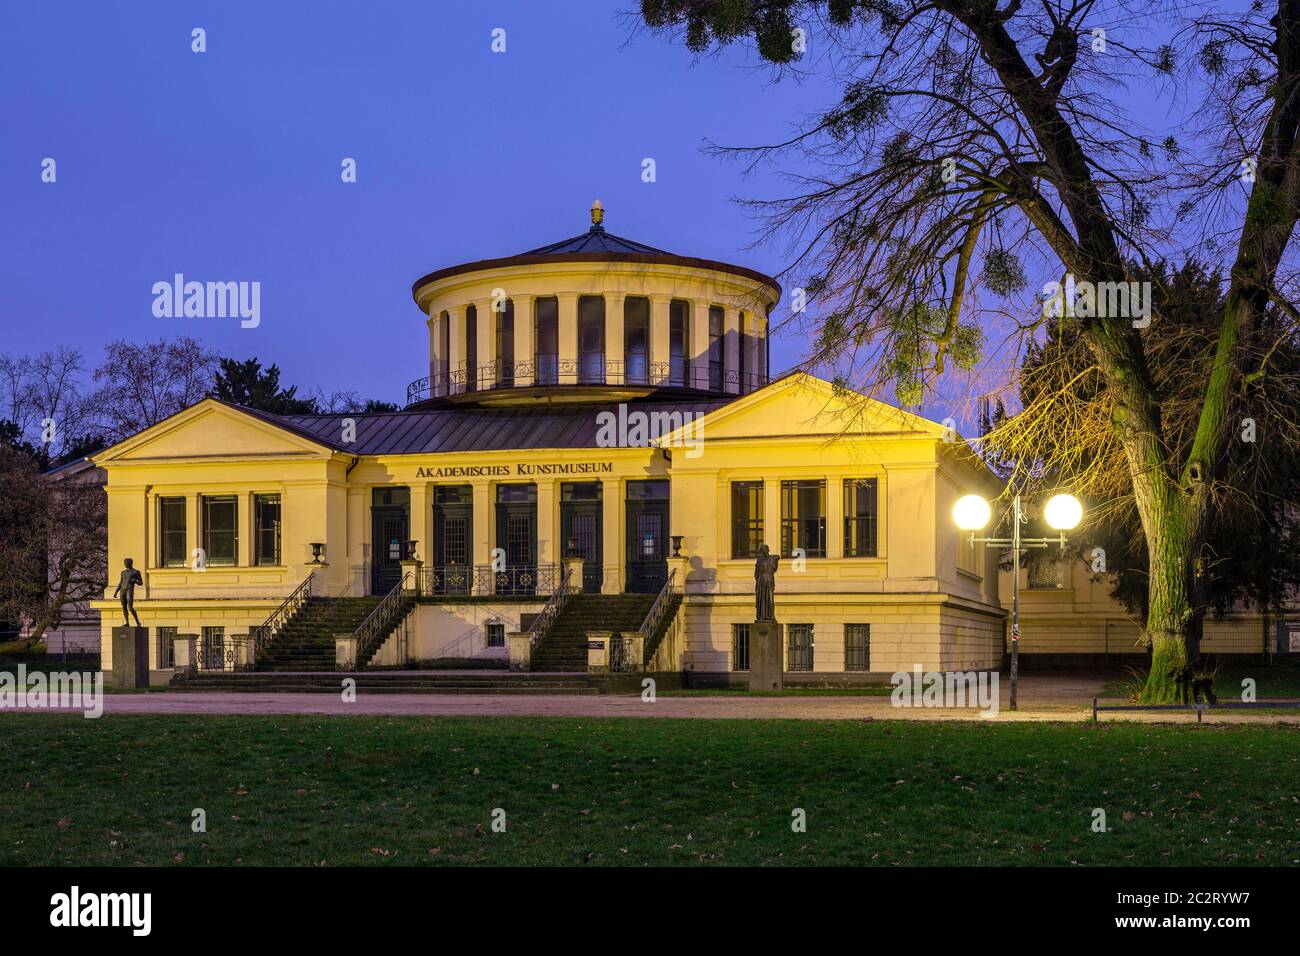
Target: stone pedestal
{"x": 345, "y": 652}
{"x": 573, "y": 572}
{"x": 413, "y": 570}
{"x": 766, "y": 662}
{"x": 521, "y": 651}
{"x": 598, "y": 651}
{"x": 131, "y": 657}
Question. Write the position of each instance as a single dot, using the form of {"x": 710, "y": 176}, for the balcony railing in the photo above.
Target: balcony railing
{"x": 482, "y": 580}
{"x": 548, "y": 370}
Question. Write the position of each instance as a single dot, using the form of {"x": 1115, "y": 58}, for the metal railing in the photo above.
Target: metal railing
{"x": 263, "y": 633}
{"x": 619, "y": 658}
{"x": 482, "y": 580}
{"x": 379, "y": 623}
{"x": 592, "y": 370}
{"x": 554, "y": 605}
{"x": 660, "y": 607}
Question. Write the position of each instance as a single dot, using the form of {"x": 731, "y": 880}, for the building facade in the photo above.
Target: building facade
{"x": 596, "y": 400}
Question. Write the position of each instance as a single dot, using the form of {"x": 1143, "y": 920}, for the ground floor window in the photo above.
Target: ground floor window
{"x": 800, "y": 647}
{"x": 857, "y": 647}
{"x": 496, "y": 634}
{"x": 166, "y": 638}
{"x": 740, "y": 647}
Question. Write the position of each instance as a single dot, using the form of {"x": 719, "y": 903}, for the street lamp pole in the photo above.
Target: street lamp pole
{"x": 1062, "y": 512}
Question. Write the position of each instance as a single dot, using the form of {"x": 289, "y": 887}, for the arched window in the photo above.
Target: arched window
{"x": 679, "y": 337}
{"x": 505, "y": 335}
{"x": 636, "y": 340}
{"x": 547, "y": 341}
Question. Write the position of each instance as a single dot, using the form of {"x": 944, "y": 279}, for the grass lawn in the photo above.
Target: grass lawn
{"x": 1275, "y": 681}
{"x": 412, "y": 790}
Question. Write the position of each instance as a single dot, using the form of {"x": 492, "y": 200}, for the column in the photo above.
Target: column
{"x": 193, "y": 534}
{"x": 834, "y": 517}
{"x": 615, "y": 373}
{"x": 731, "y": 350}
{"x": 422, "y": 521}
{"x": 699, "y": 350}
{"x": 358, "y": 535}
{"x": 488, "y": 317}
{"x": 244, "y": 530}
{"x": 568, "y": 337}
{"x": 484, "y": 506}
{"x": 524, "y": 354}
{"x": 549, "y": 549}
{"x": 772, "y": 514}
{"x": 456, "y": 352}
{"x": 660, "y": 306}
{"x": 434, "y": 325}
{"x": 612, "y": 510}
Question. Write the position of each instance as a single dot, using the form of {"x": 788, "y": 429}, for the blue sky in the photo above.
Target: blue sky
{"x": 225, "y": 165}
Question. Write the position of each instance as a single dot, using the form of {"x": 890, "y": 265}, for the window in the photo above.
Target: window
{"x": 716, "y": 355}
{"x": 505, "y": 376}
{"x": 746, "y": 518}
{"x": 857, "y": 647}
{"x": 266, "y": 531}
{"x": 496, "y": 634}
{"x": 591, "y": 340}
{"x": 171, "y": 532}
{"x": 740, "y": 647}
{"x": 803, "y": 518}
{"x": 471, "y": 348}
{"x": 1044, "y": 571}
{"x": 220, "y": 514}
{"x": 744, "y": 355}
{"x": 636, "y": 340}
{"x": 860, "y": 511}
{"x": 547, "y": 347}
{"x": 800, "y": 649}
{"x": 164, "y": 656}
{"x": 679, "y": 339}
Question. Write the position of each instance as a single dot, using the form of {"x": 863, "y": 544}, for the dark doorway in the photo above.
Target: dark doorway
{"x": 581, "y": 527}
{"x": 647, "y": 536}
{"x": 516, "y": 540}
{"x": 390, "y": 514}
{"x": 453, "y": 538}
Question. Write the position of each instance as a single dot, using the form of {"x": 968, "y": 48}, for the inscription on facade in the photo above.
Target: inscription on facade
{"x": 518, "y": 469}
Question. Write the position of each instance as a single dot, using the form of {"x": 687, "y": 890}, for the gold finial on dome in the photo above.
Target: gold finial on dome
{"x": 597, "y": 213}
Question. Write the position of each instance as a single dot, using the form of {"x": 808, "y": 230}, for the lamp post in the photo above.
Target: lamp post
{"x": 971, "y": 513}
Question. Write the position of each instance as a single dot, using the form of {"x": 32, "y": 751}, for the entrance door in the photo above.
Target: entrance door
{"x": 453, "y": 529}
{"x": 580, "y": 528}
{"x": 647, "y": 536}
{"x": 389, "y": 527}
{"x": 517, "y": 539}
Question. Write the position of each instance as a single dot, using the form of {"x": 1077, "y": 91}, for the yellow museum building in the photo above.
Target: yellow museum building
{"x": 583, "y": 479}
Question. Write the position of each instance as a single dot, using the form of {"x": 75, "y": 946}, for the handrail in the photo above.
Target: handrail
{"x": 281, "y": 615}
{"x": 660, "y": 605}
{"x": 378, "y": 624}
{"x": 554, "y": 604}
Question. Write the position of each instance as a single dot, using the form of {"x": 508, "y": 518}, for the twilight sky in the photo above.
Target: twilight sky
{"x": 225, "y": 165}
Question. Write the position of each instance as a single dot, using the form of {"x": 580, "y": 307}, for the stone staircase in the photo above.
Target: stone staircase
{"x": 396, "y": 682}
{"x": 564, "y": 646}
{"x": 306, "y": 642}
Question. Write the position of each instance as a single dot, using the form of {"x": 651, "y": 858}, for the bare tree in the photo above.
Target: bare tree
{"x": 140, "y": 385}
{"x": 978, "y": 141}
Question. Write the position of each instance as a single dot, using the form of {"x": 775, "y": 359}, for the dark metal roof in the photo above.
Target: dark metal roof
{"x": 595, "y": 239}
{"x": 462, "y": 429}
{"x": 595, "y": 245}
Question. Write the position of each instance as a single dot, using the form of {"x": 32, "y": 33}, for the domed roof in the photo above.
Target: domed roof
{"x": 595, "y": 245}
